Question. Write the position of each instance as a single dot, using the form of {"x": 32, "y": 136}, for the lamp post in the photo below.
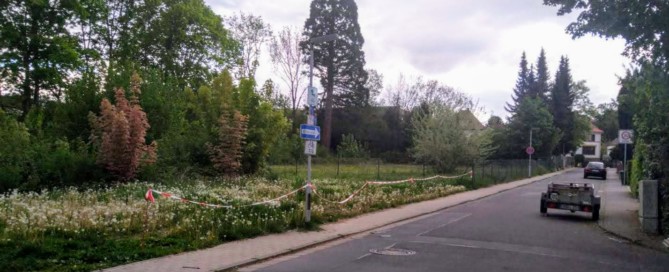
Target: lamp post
{"x": 311, "y": 119}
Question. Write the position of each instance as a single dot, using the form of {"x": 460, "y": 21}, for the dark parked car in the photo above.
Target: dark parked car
{"x": 595, "y": 169}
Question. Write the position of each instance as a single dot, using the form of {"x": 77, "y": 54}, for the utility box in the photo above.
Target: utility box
{"x": 648, "y": 210}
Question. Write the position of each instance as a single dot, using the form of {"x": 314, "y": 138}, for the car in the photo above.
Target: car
{"x": 596, "y": 169}
{"x": 572, "y": 197}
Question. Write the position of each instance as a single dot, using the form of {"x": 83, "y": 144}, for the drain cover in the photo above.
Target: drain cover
{"x": 393, "y": 252}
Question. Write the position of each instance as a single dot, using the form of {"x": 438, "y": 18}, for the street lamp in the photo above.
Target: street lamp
{"x": 311, "y": 119}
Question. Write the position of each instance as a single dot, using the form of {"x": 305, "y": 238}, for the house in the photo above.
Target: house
{"x": 591, "y": 148}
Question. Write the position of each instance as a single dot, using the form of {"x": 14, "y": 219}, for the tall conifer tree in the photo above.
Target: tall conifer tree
{"x": 340, "y": 63}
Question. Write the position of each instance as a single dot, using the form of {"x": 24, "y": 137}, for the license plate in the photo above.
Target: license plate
{"x": 569, "y": 207}
{"x": 595, "y": 171}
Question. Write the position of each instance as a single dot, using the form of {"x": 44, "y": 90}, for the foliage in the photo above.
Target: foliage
{"x": 443, "y": 140}
{"x": 579, "y": 159}
{"x": 523, "y": 84}
{"x": 531, "y": 114}
{"x": 284, "y": 50}
{"x": 349, "y": 147}
{"x": 251, "y": 32}
{"x": 340, "y": 63}
{"x": 13, "y": 156}
{"x": 120, "y": 134}
{"x": 642, "y": 24}
{"x": 36, "y": 48}
{"x": 226, "y": 155}
{"x": 541, "y": 88}
{"x": 606, "y": 118}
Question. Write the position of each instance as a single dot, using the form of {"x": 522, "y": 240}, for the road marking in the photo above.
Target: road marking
{"x": 363, "y": 256}
{"x": 445, "y": 224}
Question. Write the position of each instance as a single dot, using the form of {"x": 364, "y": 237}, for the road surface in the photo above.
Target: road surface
{"x": 503, "y": 232}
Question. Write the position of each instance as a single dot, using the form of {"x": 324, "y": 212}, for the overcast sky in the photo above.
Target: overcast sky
{"x": 474, "y": 46}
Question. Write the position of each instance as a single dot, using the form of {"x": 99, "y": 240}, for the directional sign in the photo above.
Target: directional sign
{"x": 529, "y": 150}
{"x": 625, "y": 136}
{"x": 310, "y": 147}
{"x": 309, "y": 132}
{"x": 312, "y": 96}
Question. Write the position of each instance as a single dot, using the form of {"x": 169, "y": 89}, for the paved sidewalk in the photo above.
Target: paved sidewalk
{"x": 237, "y": 253}
{"x": 620, "y": 213}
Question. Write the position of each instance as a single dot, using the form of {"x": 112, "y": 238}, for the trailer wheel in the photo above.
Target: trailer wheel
{"x": 595, "y": 213}
{"x": 542, "y": 207}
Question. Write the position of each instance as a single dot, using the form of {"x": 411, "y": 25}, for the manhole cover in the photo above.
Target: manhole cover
{"x": 393, "y": 252}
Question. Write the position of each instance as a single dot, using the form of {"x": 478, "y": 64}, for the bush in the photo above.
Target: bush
{"x": 579, "y": 159}
{"x": 351, "y": 148}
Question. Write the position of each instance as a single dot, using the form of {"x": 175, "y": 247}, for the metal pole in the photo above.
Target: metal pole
{"x": 625, "y": 167}
{"x": 311, "y": 120}
{"x": 529, "y": 167}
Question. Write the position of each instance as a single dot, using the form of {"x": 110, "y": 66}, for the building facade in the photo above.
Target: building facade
{"x": 591, "y": 148}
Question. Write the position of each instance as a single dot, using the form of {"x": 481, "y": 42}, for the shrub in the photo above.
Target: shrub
{"x": 579, "y": 159}
{"x": 226, "y": 155}
{"x": 120, "y": 133}
{"x": 349, "y": 147}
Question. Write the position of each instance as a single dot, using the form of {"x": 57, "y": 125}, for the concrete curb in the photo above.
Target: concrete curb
{"x": 338, "y": 236}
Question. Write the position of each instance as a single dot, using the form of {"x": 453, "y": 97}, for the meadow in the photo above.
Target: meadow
{"x": 75, "y": 229}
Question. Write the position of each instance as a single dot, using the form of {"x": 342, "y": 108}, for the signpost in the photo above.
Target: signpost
{"x": 530, "y": 150}
{"x": 625, "y": 136}
{"x": 312, "y": 96}
{"x": 310, "y": 132}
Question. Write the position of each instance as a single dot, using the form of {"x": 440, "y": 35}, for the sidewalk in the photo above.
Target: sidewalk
{"x": 237, "y": 253}
{"x": 620, "y": 214}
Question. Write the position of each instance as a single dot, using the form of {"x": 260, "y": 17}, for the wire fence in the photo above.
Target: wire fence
{"x": 486, "y": 173}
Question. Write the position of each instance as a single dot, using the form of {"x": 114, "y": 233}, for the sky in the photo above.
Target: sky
{"x": 473, "y": 46}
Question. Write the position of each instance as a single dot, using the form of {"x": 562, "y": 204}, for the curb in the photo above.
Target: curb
{"x": 340, "y": 236}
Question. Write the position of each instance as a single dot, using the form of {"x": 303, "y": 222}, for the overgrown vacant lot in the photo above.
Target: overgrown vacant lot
{"x": 70, "y": 229}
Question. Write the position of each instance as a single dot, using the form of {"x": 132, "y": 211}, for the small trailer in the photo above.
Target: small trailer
{"x": 572, "y": 197}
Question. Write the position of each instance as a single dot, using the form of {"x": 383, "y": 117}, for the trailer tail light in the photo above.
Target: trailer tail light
{"x": 552, "y": 205}
{"x": 586, "y": 209}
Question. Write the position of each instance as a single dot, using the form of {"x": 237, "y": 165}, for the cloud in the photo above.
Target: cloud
{"x": 474, "y": 46}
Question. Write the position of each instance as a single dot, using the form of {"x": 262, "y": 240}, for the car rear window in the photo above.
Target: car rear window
{"x": 596, "y": 165}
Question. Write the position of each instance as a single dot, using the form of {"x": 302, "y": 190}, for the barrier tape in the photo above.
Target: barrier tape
{"x": 149, "y": 197}
{"x": 410, "y": 180}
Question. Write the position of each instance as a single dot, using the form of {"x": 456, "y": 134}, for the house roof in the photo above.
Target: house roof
{"x": 595, "y": 129}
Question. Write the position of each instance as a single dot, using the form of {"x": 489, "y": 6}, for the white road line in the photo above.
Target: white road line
{"x": 363, "y": 256}
{"x": 445, "y": 224}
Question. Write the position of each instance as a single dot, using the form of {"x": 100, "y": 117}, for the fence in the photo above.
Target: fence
{"x": 485, "y": 173}
{"x": 492, "y": 172}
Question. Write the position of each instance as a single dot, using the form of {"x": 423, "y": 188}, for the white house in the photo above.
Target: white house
{"x": 591, "y": 148}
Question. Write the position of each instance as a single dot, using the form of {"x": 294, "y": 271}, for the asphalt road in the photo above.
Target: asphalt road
{"x": 503, "y": 232}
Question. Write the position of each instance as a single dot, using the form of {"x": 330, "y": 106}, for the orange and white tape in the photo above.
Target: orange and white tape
{"x": 149, "y": 197}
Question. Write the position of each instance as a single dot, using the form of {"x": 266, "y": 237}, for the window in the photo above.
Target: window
{"x": 588, "y": 150}
{"x": 592, "y": 137}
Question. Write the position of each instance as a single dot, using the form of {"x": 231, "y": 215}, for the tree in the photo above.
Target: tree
{"x": 287, "y": 58}
{"x": 522, "y": 88}
{"x": 495, "y": 122}
{"x": 186, "y": 40}
{"x": 540, "y": 89}
{"x": 36, "y": 47}
{"x": 252, "y": 33}
{"x": 374, "y": 84}
{"x": 532, "y": 114}
{"x": 441, "y": 139}
{"x": 643, "y": 24}
{"x": 226, "y": 155}
{"x": 340, "y": 63}
{"x": 120, "y": 133}
{"x": 562, "y": 100}
{"x": 606, "y": 118}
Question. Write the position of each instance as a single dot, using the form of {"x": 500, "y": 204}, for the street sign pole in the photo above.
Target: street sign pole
{"x": 529, "y": 166}
{"x": 311, "y": 120}
{"x": 625, "y": 166}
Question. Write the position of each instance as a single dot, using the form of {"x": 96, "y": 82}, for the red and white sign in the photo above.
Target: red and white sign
{"x": 625, "y": 136}
{"x": 529, "y": 150}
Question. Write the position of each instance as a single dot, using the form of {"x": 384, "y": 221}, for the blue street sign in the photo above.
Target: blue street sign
{"x": 310, "y": 132}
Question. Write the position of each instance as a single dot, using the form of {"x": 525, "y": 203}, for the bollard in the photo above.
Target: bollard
{"x": 648, "y": 208}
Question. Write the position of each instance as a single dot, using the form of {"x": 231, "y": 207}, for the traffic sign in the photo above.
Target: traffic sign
{"x": 312, "y": 96}
{"x": 625, "y": 136}
{"x": 529, "y": 150}
{"x": 310, "y": 132}
{"x": 310, "y": 147}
